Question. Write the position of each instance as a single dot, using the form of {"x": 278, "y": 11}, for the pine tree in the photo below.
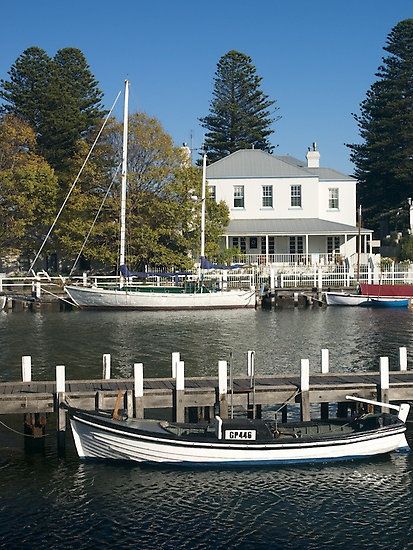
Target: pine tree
{"x": 58, "y": 97}
{"x": 384, "y": 159}
{"x": 25, "y": 92}
{"x": 239, "y": 111}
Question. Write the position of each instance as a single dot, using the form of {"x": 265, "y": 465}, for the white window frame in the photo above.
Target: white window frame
{"x": 267, "y": 196}
{"x": 333, "y": 198}
{"x": 239, "y": 196}
{"x": 295, "y": 196}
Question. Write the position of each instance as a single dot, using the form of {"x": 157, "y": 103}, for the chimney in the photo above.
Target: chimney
{"x": 313, "y": 157}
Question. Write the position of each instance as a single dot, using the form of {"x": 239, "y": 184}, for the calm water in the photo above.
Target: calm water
{"x": 48, "y": 501}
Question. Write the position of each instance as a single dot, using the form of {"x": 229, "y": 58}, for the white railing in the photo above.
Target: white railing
{"x": 316, "y": 259}
{"x": 297, "y": 276}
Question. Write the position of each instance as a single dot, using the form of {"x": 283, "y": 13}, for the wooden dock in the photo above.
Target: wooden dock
{"x": 202, "y": 397}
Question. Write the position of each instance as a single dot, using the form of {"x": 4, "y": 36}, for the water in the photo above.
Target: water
{"x": 47, "y": 501}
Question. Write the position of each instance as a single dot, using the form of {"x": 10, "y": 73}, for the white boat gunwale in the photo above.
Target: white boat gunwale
{"x": 334, "y": 439}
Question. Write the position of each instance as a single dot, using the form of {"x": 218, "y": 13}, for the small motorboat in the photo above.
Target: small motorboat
{"x": 238, "y": 441}
{"x": 345, "y": 299}
{"x": 388, "y": 301}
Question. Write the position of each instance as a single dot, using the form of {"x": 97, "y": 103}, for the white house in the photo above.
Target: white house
{"x": 285, "y": 210}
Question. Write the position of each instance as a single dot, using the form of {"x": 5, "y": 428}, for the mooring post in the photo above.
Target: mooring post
{"x": 223, "y": 388}
{"x": 61, "y": 412}
{"x": 84, "y": 278}
{"x": 138, "y": 389}
{"x": 180, "y": 392}
{"x": 176, "y": 357}
{"x": 403, "y": 359}
{"x": 384, "y": 381}
{"x": 106, "y": 366}
{"x": 128, "y": 403}
{"x": 99, "y": 398}
{"x": 26, "y": 368}
{"x": 320, "y": 279}
{"x": 251, "y": 374}
{"x": 225, "y": 280}
{"x": 325, "y": 360}
{"x": 305, "y": 390}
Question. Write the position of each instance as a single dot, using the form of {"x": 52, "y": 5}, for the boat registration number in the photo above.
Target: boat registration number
{"x": 250, "y": 435}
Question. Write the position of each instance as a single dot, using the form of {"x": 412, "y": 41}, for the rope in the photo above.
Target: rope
{"x": 74, "y": 183}
{"x": 94, "y": 221}
{"x": 21, "y": 433}
{"x": 59, "y": 297}
{"x": 297, "y": 392}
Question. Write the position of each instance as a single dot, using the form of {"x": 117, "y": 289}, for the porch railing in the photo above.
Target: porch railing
{"x": 311, "y": 259}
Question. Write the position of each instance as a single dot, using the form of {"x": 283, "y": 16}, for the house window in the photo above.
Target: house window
{"x": 243, "y": 244}
{"x": 296, "y": 195}
{"x": 333, "y": 198}
{"x": 238, "y": 196}
{"x": 297, "y": 245}
{"x": 271, "y": 245}
{"x": 267, "y": 196}
{"x": 333, "y": 244}
{"x": 213, "y": 192}
{"x": 253, "y": 242}
{"x": 235, "y": 242}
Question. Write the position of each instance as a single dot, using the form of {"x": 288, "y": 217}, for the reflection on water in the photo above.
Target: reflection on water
{"x": 46, "y": 501}
{"x": 356, "y": 337}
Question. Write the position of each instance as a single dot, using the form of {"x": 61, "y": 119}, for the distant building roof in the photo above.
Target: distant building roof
{"x": 302, "y": 226}
{"x": 254, "y": 163}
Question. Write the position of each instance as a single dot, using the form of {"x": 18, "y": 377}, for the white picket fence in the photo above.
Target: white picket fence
{"x": 321, "y": 277}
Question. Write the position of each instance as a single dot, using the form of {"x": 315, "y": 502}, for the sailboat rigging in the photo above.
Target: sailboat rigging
{"x": 146, "y": 297}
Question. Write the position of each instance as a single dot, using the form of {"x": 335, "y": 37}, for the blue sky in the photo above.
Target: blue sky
{"x": 317, "y": 59}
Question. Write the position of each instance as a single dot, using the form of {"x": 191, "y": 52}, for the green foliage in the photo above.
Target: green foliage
{"x": 239, "y": 112}
{"x": 384, "y": 158}
{"x": 406, "y": 248}
{"x": 28, "y": 190}
{"x": 58, "y": 97}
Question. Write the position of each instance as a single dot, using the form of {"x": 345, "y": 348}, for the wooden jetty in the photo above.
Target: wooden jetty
{"x": 202, "y": 397}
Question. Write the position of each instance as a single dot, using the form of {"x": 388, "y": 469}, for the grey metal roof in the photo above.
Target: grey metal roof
{"x": 254, "y": 163}
{"x": 303, "y": 226}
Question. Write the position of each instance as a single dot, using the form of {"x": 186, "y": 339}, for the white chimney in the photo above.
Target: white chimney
{"x": 313, "y": 157}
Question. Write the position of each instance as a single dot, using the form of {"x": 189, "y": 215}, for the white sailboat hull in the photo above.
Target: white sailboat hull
{"x": 94, "y": 441}
{"x": 345, "y": 299}
{"x": 86, "y": 297}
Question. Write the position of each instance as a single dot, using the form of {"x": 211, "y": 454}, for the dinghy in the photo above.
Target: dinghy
{"x": 239, "y": 441}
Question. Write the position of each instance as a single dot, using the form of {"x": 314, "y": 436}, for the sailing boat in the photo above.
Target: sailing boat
{"x": 147, "y": 297}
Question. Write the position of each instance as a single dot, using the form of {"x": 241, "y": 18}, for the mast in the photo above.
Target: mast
{"x": 124, "y": 177}
{"x": 359, "y": 245}
{"x": 203, "y": 205}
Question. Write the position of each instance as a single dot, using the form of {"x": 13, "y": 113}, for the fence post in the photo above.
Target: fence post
{"x": 138, "y": 389}
{"x": 320, "y": 278}
{"x": 26, "y": 368}
{"x": 403, "y": 359}
{"x": 305, "y": 390}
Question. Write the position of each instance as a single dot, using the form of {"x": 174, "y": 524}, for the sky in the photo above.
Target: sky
{"x": 316, "y": 59}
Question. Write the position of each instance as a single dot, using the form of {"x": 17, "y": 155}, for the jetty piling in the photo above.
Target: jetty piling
{"x": 138, "y": 389}
{"x": 106, "y": 366}
{"x": 60, "y": 401}
{"x": 384, "y": 381}
{"x": 403, "y": 358}
{"x": 180, "y": 392}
